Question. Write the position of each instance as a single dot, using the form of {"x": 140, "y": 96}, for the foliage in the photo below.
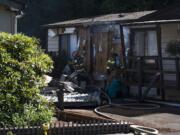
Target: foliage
{"x": 173, "y": 47}
{"x": 22, "y": 66}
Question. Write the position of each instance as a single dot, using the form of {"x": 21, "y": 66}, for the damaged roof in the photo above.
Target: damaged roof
{"x": 168, "y": 14}
{"x": 118, "y": 17}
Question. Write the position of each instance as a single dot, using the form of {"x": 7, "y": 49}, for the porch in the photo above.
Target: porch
{"x": 147, "y": 67}
{"x": 147, "y": 74}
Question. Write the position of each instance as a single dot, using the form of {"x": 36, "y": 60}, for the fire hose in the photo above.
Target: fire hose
{"x": 137, "y": 129}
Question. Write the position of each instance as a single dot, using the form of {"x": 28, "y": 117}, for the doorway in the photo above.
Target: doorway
{"x": 68, "y": 43}
{"x": 100, "y": 50}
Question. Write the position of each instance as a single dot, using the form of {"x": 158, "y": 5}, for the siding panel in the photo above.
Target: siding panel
{"x": 7, "y": 20}
{"x": 53, "y": 44}
{"x": 169, "y": 32}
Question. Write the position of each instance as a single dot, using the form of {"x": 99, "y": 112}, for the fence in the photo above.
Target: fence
{"x": 72, "y": 128}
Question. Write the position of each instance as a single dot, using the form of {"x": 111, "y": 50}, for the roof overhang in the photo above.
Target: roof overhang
{"x": 151, "y": 22}
{"x": 101, "y": 19}
{"x": 13, "y": 5}
{"x": 127, "y": 19}
{"x": 81, "y": 24}
{"x": 130, "y": 23}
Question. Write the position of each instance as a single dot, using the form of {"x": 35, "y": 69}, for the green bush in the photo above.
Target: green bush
{"x": 22, "y": 66}
{"x": 173, "y": 47}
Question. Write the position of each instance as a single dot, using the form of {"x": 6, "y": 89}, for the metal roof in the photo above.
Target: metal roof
{"x": 103, "y": 19}
{"x": 151, "y": 22}
{"x": 169, "y": 14}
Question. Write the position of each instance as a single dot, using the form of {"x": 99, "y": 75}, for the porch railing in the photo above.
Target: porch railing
{"x": 137, "y": 65}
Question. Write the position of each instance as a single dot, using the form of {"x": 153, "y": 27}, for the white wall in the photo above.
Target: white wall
{"x": 53, "y": 44}
{"x": 169, "y": 32}
{"x": 73, "y": 44}
{"x": 7, "y": 21}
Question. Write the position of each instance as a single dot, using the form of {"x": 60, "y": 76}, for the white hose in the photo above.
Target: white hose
{"x": 136, "y": 128}
{"x": 140, "y": 130}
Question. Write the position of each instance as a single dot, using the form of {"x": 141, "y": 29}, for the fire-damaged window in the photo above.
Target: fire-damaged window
{"x": 145, "y": 43}
{"x": 68, "y": 43}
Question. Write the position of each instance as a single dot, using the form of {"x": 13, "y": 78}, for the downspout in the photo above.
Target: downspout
{"x": 18, "y": 16}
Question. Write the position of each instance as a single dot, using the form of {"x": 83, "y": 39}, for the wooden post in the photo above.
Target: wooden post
{"x": 157, "y": 66}
{"x": 140, "y": 78}
{"x": 160, "y": 63}
{"x": 123, "y": 46}
{"x": 91, "y": 50}
{"x": 177, "y": 74}
{"x": 60, "y": 95}
{"x": 150, "y": 85}
{"x": 123, "y": 51}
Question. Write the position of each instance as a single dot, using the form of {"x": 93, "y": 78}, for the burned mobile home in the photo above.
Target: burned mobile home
{"x": 96, "y": 36}
{"x": 139, "y": 40}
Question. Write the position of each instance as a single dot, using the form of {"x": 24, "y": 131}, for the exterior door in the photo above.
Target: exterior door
{"x": 100, "y": 51}
{"x": 65, "y": 44}
{"x": 73, "y": 44}
{"x": 68, "y": 44}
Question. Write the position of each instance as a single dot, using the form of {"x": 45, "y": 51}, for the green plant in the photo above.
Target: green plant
{"x": 10, "y": 133}
{"x": 22, "y": 67}
{"x": 173, "y": 47}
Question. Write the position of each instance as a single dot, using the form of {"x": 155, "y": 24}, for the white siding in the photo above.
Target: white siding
{"x": 169, "y": 32}
{"x": 73, "y": 44}
{"x": 53, "y": 44}
{"x": 7, "y": 21}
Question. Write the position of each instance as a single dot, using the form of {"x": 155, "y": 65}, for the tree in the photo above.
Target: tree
{"x": 22, "y": 66}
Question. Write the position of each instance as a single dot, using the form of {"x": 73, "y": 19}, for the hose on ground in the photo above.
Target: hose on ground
{"x": 135, "y": 128}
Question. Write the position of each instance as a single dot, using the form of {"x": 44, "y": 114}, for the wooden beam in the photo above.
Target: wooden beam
{"x": 60, "y": 95}
{"x": 160, "y": 62}
{"x": 140, "y": 77}
{"x": 152, "y": 22}
{"x": 124, "y": 63}
{"x": 143, "y": 29}
{"x": 123, "y": 46}
{"x": 150, "y": 85}
{"x": 91, "y": 50}
{"x": 177, "y": 73}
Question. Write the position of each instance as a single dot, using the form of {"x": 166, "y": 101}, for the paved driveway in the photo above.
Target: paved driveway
{"x": 166, "y": 119}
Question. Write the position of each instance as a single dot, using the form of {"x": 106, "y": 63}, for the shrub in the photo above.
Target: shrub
{"x": 22, "y": 66}
{"x": 173, "y": 47}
